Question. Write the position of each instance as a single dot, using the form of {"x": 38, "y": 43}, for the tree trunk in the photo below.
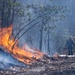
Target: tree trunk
{"x": 48, "y": 41}
{"x": 13, "y": 13}
{"x": 2, "y": 15}
{"x": 41, "y": 37}
{"x": 9, "y": 15}
{"x": 12, "y": 16}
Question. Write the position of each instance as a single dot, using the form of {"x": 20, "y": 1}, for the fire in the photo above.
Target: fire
{"x": 24, "y": 54}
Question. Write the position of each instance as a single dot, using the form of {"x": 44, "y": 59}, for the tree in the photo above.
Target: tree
{"x": 45, "y": 14}
{"x": 52, "y": 13}
{"x": 9, "y": 8}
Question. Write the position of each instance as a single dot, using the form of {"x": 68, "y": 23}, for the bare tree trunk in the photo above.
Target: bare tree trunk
{"x": 12, "y": 16}
{"x": 12, "y": 13}
{"x": 9, "y": 15}
{"x": 48, "y": 47}
{"x": 2, "y": 15}
{"x": 41, "y": 37}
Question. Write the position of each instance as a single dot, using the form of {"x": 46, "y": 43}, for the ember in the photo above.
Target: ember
{"x": 24, "y": 54}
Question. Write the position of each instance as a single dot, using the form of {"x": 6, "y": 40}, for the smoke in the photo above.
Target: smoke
{"x": 6, "y": 60}
{"x": 62, "y": 32}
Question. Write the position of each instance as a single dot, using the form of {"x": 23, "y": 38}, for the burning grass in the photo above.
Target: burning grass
{"x": 24, "y": 54}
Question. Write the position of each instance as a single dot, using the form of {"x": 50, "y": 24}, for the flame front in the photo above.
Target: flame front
{"x": 24, "y": 54}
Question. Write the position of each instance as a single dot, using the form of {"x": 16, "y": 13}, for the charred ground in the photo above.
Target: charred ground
{"x": 45, "y": 66}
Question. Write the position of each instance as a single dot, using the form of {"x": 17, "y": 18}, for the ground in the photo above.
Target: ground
{"x": 47, "y": 66}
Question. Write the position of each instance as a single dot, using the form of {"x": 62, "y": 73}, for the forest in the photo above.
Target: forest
{"x": 36, "y": 30}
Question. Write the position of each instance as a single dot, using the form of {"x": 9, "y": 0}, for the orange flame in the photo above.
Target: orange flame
{"x": 24, "y": 54}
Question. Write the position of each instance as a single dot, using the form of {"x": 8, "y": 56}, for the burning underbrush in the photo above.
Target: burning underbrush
{"x": 24, "y": 54}
{"x": 27, "y": 61}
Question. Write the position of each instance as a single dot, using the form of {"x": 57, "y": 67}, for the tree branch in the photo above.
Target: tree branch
{"x": 24, "y": 33}
{"x": 29, "y": 24}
